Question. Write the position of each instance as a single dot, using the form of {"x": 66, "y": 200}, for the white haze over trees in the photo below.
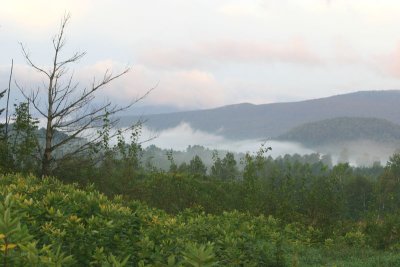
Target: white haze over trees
{"x": 358, "y": 153}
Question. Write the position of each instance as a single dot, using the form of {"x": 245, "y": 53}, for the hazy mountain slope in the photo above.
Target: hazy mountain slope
{"x": 243, "y": 121}
{"x": 338, "y": 130}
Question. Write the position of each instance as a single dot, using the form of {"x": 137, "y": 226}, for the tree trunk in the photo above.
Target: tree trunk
{"x": 46, "y": 161}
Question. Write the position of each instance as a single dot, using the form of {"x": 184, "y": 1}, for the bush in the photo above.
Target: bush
{"x": 76, "y": 222}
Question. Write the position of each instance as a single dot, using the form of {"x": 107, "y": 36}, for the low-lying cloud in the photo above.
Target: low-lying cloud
{"x": 357, "y": 153}
{"x": 360, "y": 152}
{"x": 182, "y": 136}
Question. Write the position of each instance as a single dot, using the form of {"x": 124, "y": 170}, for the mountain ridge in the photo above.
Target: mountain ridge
{"x": 250, "y": 121}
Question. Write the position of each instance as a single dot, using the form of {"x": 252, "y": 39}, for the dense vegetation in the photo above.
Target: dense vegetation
{"x": 46, "y": 223}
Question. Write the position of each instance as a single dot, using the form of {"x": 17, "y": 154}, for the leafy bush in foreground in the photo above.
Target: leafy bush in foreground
{"x": 80, "y": 223}
{"x": 83, "y": 227}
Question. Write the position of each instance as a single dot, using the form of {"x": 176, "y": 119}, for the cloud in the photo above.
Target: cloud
{"x": 40, "y": 15}
{"x": 183, "y": 135}
{"x": 182, "y": 88}
{"x": 240, "y": 9}
{"x": 390, "y": 63}
{"x": 345, "y": 54}
{"x": 165, "y": 57}
{"x": 211, "y": 53}
{"x": 191, "y": 88}
{"x": 180, "y": 137}
{"x": 295, "y": 51}
{"x": 26, "y": 77}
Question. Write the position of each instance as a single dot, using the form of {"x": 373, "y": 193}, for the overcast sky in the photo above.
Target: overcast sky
{"x": 208, "y": 53}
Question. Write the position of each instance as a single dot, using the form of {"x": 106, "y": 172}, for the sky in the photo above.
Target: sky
{"x": 207, "y": 53}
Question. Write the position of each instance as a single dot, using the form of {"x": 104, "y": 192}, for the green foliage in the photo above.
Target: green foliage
{"x": 199, "y": 255}
{"x": 12, "y": 233}
{"x": 16, "y": 247}
{"x": 389, "y": 186}
{"x": 112, "y": 163}
{"x": 100, "y": 259}
{"x": 2, "y": 93}
{"x": 2, "y": 133}
{"x": 19, "y": 149}
{"x": 196, "y": 167}
{"x": 73, "y": 221}
{"x": 173, "y": 168}
{"x": 384, "y": 232}
{"x": 229, "y": 239}
{"x": 46, "y": 223}
{"x": 24, "y": 141}
{"x": 225, "y": 169}
{"x": 360, "y": 197}
{"x": 82, "y": 227}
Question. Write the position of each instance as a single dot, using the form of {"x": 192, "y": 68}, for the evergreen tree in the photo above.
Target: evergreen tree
{"x": 24, "y": 144}
{"x": 197, "y": 167}
{"x": 229, "y": 167}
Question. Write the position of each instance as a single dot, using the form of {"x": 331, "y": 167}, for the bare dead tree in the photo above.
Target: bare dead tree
{"x": 69, "y": 108}
{"x": 8, "y": 99}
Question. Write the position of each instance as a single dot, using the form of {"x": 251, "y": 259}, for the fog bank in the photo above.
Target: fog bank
{"x": 357, "y": 153}
{"x": 182, "y": 136}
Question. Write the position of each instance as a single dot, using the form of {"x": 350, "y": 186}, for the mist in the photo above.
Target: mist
{"x": 182, "y": 136}
{"x": 362, "y": 153}
{"x": 356, "y": 153}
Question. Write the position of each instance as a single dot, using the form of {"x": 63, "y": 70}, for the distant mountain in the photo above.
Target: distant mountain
{"x": 245, "y": 121}
{"x": 343, "y": 130}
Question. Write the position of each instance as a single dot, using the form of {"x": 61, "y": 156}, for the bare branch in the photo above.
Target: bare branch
{"x": 32, "y": 99}
{"x": 76, "y": 57}
{"x": 107, "y": 78}
{"x": 28, "y": 59}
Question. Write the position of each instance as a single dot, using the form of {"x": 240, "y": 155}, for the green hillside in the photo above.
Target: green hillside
{"x": 338, "y": 130}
